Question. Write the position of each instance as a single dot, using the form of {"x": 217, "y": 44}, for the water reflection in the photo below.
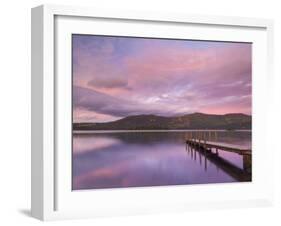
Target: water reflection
{"x": 110, "y": 160}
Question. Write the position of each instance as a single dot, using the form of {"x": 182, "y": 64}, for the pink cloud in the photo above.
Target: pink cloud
{"x": 181, "y": 78}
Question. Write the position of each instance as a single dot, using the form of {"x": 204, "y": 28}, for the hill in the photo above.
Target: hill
{"x": 190, "y": 121}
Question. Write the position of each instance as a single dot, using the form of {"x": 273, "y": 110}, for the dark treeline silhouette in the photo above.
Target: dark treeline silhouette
{"x": 234, "y": 121}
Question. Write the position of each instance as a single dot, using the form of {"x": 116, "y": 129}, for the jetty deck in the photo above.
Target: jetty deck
{"x": 221, "y": 146}
{"x": 207, "y": 144}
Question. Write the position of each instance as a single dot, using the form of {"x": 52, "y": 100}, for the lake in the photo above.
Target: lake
{"x": 111, "y": 159}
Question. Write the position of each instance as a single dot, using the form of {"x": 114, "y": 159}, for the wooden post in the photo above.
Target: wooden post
{"x": 205, "y": 163}
{"x": 202, "y": 138}
{"x": 247, "y": 163}
{"x": 205, "y": 135}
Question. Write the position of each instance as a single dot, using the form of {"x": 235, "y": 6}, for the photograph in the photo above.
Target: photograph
{"x": 150, "y": 111}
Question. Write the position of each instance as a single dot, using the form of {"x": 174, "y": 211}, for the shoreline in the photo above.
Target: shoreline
{"x": 151, "y": 131}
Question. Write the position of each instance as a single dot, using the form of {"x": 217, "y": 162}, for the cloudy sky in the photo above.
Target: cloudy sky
{"x": 114, "y": 77}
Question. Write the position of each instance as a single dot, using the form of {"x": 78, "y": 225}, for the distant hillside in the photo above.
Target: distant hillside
{"x": 191, "y": 121}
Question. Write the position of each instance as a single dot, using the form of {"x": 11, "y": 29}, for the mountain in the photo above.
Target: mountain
{"x": 232, "y": 121}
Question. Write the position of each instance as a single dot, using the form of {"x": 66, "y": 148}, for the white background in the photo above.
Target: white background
{"x": 15, "y": 112}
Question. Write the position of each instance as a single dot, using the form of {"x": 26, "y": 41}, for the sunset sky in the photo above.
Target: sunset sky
{"x": 114, "y": 77}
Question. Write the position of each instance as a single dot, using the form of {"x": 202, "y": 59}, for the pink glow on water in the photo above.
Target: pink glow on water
{"x": 116, "y": 160}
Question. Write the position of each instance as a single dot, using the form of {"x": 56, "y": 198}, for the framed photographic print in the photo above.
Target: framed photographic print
{"x": 139, "y": 112}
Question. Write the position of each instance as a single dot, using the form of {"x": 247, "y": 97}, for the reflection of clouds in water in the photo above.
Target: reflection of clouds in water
{"x": 127, "y": 170}
{"x": 162, "y": 165}
{"x": 102, "y": 176}
{"x": 111, "y": 160}
{"x": 88, "y": 144}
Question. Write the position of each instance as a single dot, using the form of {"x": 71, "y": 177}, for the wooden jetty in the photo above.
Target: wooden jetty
{"x": 207, "y": 145}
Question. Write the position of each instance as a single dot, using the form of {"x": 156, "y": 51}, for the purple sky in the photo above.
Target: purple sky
{"x": 114, "y": 77}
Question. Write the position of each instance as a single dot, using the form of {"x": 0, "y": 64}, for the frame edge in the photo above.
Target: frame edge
{"x": 37, "y": 162}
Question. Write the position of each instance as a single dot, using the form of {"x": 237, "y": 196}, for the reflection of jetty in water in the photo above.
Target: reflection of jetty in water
{"x": 205, "y": 145}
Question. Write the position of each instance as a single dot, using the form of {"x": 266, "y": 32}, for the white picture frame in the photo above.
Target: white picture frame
{"x": 52, "y": 197}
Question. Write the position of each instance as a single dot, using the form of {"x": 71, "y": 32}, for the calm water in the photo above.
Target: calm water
{"x": 129, "y": 159}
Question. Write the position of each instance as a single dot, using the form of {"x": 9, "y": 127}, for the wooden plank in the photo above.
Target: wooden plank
{"x": 226, "y": 147}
